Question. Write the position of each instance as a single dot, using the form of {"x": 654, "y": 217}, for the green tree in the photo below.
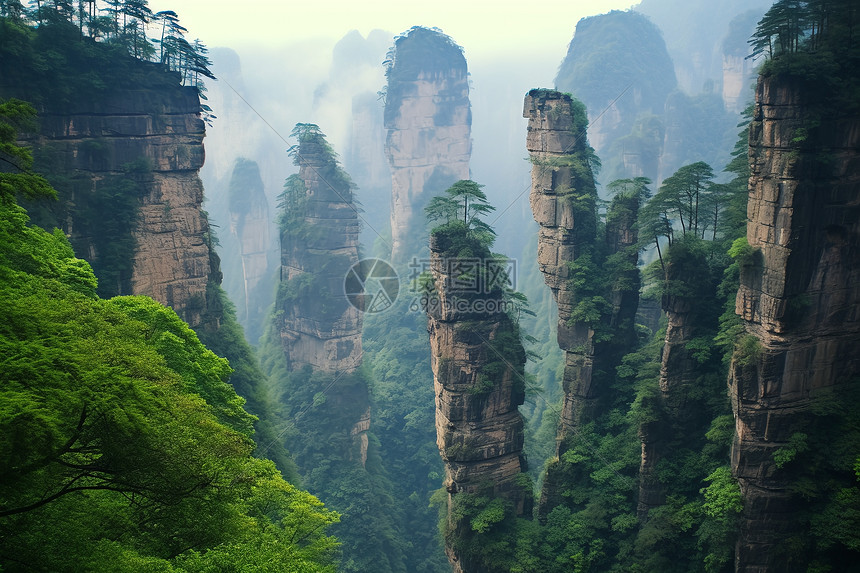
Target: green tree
{"x": 685, "y": 192}
{"x": 124, "y": 448}
{"x": 17, "y": 177}
{"x": 465, "y": 203}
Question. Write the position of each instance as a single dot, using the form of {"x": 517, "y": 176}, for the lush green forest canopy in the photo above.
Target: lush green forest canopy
{"x": 124, "y": 446}
{"x": 595, "y": 77}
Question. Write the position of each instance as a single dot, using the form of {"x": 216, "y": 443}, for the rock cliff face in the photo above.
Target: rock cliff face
{"x": 160, "y": 132}
{"x": 428, "y": 121}
{"x": 478, "y": 374}
{"x": 799, "y": 298}
{"x": 319, "y": 243}
{"x": 553, "y": 136}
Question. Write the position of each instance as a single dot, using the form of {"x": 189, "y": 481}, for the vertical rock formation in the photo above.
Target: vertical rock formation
{"x": 428, "y": 120}
{"x": 681, "y": 414}
{"x": 556, "y": 134}
{"x": 563, "y": 200}
{"x": 478, "y": 373}
{"x": 319, "y": 243}
{"x": 313, "y": 351}
{"x": 737, "y": 72}
{"x": 366, "y": 162}
{"x": 142, "y": 149}
{"x": 249, "y": 229}
{"x": 799, "y": 300}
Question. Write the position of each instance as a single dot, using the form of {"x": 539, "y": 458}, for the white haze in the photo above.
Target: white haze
{"x": 285, "y": 52}
{"x": 286, "y": 76}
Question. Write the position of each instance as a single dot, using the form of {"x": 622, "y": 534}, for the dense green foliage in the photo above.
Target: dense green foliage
{"x": 17, "y": 178}
{"x": 220, "y": 332}
{"x": 123, "y": 28}
{"x": 422, "y": 49}
{"x": 320, "y": 415}
{"x": 316, "y": 414}
{"x": 814, "y": 42}
{"x": 397, "y": 354}
{"x": 124, "y": 448}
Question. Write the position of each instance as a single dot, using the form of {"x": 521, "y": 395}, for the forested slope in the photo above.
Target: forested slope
{"x": 124, "y": 447}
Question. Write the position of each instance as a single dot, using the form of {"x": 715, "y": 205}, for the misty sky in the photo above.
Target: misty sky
{"x": 480, "y": 26}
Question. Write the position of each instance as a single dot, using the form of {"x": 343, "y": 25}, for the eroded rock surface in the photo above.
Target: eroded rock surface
{"x": 160, "y": 132}
{"x": 564, "y": 234}
{"x": 478, "y": 374}
{"x": 319, "y": 243}
{"x": 799, "y": 298}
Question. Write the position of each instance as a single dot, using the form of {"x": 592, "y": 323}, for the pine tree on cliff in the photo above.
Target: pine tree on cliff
{"x": 478, "y": 364}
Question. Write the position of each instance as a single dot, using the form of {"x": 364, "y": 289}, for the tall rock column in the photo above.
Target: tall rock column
{"x": 319, "y": 243}
{"x": 555, "y": 136}
{"x": 800, "y": 302}
{"x": 596, "y": 301}
{"x": 428, "y": 120}
{"x": 251, "y": 243}
{"x": 680, "y": 406}
{"x": 478, "y": 373}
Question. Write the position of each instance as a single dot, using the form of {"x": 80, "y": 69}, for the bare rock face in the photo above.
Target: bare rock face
{"x": 161, "y": 133}
{"x": 319, "y": 243}
{"x": 799, "y": 298}
{"x": 428, "y": 121}
{"x": 478, "y": 374}
{"x": 553, "y": 135}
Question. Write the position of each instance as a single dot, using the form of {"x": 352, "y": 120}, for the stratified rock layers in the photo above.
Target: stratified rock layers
{"x": 478, "y": 374}
{"x": 564, "y": 233}
{"x": 318, "y": 326}
{"x": 799, "y": 297}
{"x": 428, "y": 121}
{"x": 163, "y": 128}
